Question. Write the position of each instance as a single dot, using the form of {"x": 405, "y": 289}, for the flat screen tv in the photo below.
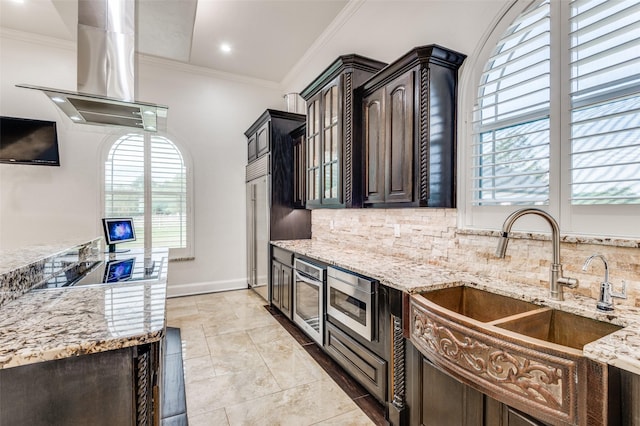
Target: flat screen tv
{"x": 118, "y": 230}
{"x": 118, "y": 270}
{"x": 27, "y": 141}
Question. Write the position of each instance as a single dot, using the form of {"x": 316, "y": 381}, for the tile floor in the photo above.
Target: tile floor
{"x": 243, "y": 368}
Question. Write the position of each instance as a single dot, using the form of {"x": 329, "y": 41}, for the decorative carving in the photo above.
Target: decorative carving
{"x": 512, "y": 373}
{"x": 348, "y": 148}
{"x": 424, "y": 133}
{"x": 398, "y": 364}
{"x": 142, "y": 388}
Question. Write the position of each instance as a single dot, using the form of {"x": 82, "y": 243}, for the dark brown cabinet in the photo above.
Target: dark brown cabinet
{"x": 436, "y": 399}
{"x": 282, "y": 280}
{"x": 409, "y": 130}
{"x": 258, "y": 141}
{"x": 118, "y": 387}
{"x": 299, "y": 167}
{"x": 333, "y": 143}
{"x": 271, "y": 212}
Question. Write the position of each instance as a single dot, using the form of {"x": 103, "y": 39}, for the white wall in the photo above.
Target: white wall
{"x": 385, "y": 30}
{"x": 208, "y": 114}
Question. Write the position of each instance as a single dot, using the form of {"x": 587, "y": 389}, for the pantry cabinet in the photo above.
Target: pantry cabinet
{"x": 409, "y": 130}
{"x": 333, "y": 139}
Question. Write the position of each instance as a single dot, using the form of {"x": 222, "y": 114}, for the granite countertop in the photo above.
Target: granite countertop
{"x": 51, "y": 322}
{"x": 620, "y": 349}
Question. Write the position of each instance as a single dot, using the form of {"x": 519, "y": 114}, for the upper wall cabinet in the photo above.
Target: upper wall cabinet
{"x": 409, "y": 121}
{"x": 333, "y": 143}
{"x": 299, "y": 166}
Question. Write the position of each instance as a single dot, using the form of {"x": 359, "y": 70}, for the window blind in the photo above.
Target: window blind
{"x": 145, "y": 178}
{"x": 511, "y": 118}
{"x": 168, "y": 194}
{"x": 605, "y": 100}
{"x": 124, "y": 183}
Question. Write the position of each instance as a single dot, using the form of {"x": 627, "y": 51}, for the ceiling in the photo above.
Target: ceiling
{"x": 267, "y": 37}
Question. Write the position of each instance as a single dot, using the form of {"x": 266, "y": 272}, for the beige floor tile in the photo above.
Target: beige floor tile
{"x": 213, "y": 418}
{"x": 229, "y": 389}
{"x": 237, "y": 362}
{"x": 198, "y": 368}
{"x": 293, "y": 368}
{"x": 193, "y": 347}
{"x": 269, "y": 333}
{"x": 303, "y": 405}
{"x": 230, "y": 343}
{"x": 243, "y": 368}
{"x": 175, "y": 302}
{"x": 232, "y": 325}
{"x": 352, "y": 418}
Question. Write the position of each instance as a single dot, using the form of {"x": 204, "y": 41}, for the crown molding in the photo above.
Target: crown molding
{"x": 338, "y": 22}
{"x": 37, "y": 39}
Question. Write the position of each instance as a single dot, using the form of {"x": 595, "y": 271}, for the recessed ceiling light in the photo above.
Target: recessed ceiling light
{"x": 225, "y": 47}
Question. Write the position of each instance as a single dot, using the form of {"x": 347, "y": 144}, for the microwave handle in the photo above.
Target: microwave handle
{"x": 300, "y": 277}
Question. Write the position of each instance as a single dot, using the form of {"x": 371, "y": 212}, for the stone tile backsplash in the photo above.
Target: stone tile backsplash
{"x": 431, "y": 236}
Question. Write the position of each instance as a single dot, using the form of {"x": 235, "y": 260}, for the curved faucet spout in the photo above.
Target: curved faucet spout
{"x": 601, "y": 257}
{"x": 556, "y": 279}
{"x": 511, "y": 219}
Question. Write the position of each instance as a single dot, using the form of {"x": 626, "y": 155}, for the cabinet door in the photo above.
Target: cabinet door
{"x": 374, "y": 148}
{"x": 299, "y": 172}
{"x": 446, "y": 401}
{"x": 285, "y": 292}
{"x": 276, "y": 278}
{"x": 324, "y": 147}
{"x": 331, "y": 145}
{"x": 399, "y": 111}
{"x": 262, "y": 138}
{"x": 252, "y": 148}
{"x": 313, "y": 149}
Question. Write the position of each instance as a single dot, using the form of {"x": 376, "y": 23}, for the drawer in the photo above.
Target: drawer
{"x": 281, "y": 255}
{"x": 363, "y": 365}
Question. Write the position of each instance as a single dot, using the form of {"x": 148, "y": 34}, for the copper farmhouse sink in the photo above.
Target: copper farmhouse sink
{"x": 525, "y": 355}
{"x": 478, "y": 304}
{"x": 561, "y": 328}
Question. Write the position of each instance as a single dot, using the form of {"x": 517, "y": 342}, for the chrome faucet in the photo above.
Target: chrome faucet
{"x": 605, "y": 301}
{"x": 556, "y": 279}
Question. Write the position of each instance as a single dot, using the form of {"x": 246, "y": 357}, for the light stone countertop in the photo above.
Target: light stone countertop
{"x": 54, "y": 323}
{"x": 620, "y": 349}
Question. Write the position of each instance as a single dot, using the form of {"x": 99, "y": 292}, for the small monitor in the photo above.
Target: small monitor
{"x": 118, "y": 230}
{"x": 118, "y": 270}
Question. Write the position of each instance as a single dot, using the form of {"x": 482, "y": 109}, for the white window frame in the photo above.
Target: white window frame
{"x": 617, "y": 221}
{"x": 186, "y": 253}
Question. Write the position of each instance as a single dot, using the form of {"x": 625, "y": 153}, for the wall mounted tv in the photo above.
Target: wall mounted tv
{"x": 27, "y": 141}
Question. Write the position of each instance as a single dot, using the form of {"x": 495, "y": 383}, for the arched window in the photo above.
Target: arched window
{"x": 146, "y": 177}
{"x": 556, "y": 117}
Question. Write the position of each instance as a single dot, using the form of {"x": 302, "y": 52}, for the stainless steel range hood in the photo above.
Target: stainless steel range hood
{"x": 106, "y": 70}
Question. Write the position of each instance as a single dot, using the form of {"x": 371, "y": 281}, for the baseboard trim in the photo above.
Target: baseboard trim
{"x": 191, "y": 289}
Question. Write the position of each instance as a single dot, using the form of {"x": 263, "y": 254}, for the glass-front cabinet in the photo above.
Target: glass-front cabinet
{"x": 333, "y": 147}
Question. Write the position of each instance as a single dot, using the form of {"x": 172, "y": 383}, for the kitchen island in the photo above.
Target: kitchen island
{"x": 80, "y": 337}
{"x": 619, "y": 350}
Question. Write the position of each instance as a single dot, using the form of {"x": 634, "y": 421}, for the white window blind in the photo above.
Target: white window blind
{"x": 511, "y": 117}
{"x": 145, "y": 178}
{"x": 605, "y": 101}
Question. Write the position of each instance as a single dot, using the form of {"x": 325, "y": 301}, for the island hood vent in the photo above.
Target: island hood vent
{"x": 106, "y": 70}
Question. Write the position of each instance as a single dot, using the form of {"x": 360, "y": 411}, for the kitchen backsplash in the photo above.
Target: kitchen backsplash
{"x": 431, "y": 235}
